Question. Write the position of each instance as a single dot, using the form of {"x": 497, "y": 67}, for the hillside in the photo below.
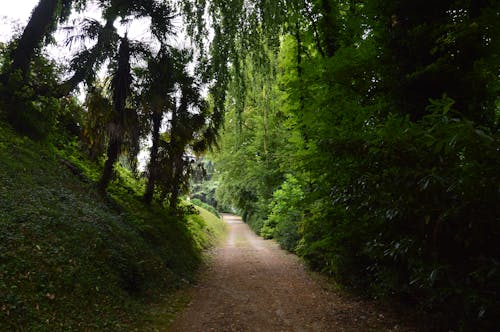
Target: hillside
{"x": 73, "y": 260}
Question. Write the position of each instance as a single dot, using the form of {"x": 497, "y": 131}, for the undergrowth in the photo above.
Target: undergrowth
{"x": 71, "y": 259}
{"x": 206, "y": 206}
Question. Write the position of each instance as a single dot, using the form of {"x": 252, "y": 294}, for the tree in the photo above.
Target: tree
{"x": 42, "y": 23}
{"x": 189, "y": 130}
{"x": 157, "y": 100}
{"x": 429, "y": 51}
{"x": 122, "y": 117}
{"x": 87, "y": 62}
{"x": 124, "y": 124}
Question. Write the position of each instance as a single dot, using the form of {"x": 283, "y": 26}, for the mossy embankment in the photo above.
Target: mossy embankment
{"x": 72, "y": 259}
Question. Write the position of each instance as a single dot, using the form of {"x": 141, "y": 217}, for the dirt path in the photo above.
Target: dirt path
{"x": 253, "y": 285}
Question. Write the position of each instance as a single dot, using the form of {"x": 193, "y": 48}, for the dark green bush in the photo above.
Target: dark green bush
{"x": 413, "y": 212}
{"x": 31, "y": 105}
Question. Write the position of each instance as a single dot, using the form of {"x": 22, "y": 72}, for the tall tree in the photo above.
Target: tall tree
{"x": 158, "y": 100}
{"x": 120, "y": 85}
{"x": 125, "y": 123}
{"x": 189, "y": 123}
{"x": 42, "y": 23}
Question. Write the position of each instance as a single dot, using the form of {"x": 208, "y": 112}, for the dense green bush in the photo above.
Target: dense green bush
{"x": 204, "y": 205}
{"x": 416, "y": 214}
{"x": 32, "y": 107}
{"x": 286, "y": 213}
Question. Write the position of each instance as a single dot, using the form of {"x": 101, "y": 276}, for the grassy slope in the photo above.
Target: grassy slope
{"x": 161, "y": 313}
{"x": 216, "y": 229}
{"x": 71, "y": 260}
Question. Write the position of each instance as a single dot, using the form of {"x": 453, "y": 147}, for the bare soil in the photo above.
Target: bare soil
{"x": 253, "y": 285}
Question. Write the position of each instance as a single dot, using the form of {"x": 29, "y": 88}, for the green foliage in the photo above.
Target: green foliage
{"x": 96, "y": 119}
{"x": 286, "y": 212}
{"x": 428, "y": 234}
{"x": 31, "y": 108}
{"x": 73, "y": 260}
{"x": 250, "y": 153}
{"x": 209, "y": 227}
{"x": 206, "y": 206}
{"x": 203, "y": 186}
{"x": 205, "y": 191}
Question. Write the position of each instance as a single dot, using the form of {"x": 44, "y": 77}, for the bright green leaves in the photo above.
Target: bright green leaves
{"x": 286, "y": 212}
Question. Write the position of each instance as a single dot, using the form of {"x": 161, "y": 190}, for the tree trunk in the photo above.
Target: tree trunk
{"x": 174, "y": 195}
{"x": 329, "y": 26}
{"x": 122, "y": 80}
{"x": 174, "y": 156}
{"x": 121, "y": 90}
{"x": 265, "y": 146}
{"x": 300, "y": 112}
{"x": 113, "y": 153}
{"x": 177, "y": 169}
{"x": 153, "y": 167}
{"x": 42, "y": 19}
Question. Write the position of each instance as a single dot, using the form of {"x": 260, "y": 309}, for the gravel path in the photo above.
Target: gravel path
{"x": 253, "y": 285}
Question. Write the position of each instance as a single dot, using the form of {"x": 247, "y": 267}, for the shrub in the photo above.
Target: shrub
{"x": 206, "y": 206}
{"x": 286, "y": 212}
{"x": 413, "y": 212}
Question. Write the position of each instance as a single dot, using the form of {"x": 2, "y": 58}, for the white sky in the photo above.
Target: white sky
{"x": 14, "y": 12}
{"x": 14, "y": 15}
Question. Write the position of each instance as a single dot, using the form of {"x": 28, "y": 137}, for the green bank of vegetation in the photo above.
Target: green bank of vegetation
{"x": 364, "y": 136}
{"x": 89, "y": 241}
{"x": 73, "y": 259}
